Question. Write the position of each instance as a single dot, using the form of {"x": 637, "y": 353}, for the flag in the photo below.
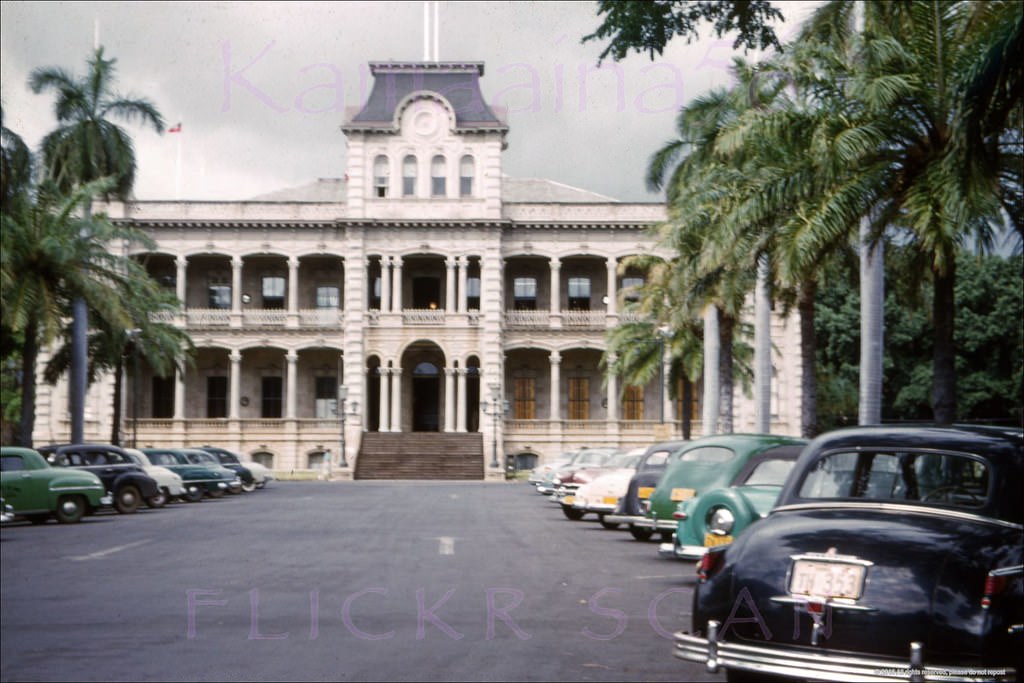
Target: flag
{"x": 176, "y": 128}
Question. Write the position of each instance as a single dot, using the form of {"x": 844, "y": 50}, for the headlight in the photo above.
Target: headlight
{"x": 720, "y": 522}
{"x": 556, "y": 481}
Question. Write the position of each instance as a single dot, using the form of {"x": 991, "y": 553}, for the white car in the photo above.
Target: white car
{"x": 261, "y": 475}
{"x": 170, "y": 483}
{"x": 601, "y": 495}
{"x": 538, "y": 475}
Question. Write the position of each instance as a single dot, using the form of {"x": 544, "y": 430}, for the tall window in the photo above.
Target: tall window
{"x": 409, "y": 176}
{"x": 375, "y": 293}
{"x": 579, "y": 294}
{"x": 271, "y": 396}
{"x": 327, "y": 296}
{"x": 163, "y": 397}
{"x": 579, "y": 398}
{"x": 524, "y": 292}
{"x": 326, "y": 396}
{"x": 216, "y": 396}
{"x": 633, "y": 403}
{"x": 524, "y": 404}
{"x": 273, "y": 291}
{"x": 467, "y": 169}
{"x": 630, "y": 285}
{"x": 473, "y": 293}
{"x": 438, "y": 173}
{"x": 218, "y": 295}
{"x": 380, "y": 176}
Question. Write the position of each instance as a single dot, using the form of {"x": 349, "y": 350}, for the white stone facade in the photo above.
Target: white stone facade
{"x": 423, "y": 281}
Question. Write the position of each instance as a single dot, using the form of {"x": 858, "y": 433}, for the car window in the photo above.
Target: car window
{"x": 770, "y": 473}
{"x": 707, "y": 454}
{"x": 656, "y": 459}
{"x": 11, "y": 463}
{"x": 162, "y": 459}
{"x": 933, "y": 478}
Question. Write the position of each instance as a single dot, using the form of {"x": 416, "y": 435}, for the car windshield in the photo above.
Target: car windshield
{"x": 770, "y": 473}
{"x": 622, "y": 460}
{"x": 933, "y": 478}
{"x": 201, "y": 458}
{"x": 165, "y": 459}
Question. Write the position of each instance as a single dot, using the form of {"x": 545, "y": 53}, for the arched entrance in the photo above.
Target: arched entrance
{"x": 426, "y": 364}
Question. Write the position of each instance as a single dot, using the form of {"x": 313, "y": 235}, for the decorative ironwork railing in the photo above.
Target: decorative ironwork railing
{"x": 583, "y": 319}
{"x": 514, "y": 318}
{"x": 422, "y": 316}
{"x": 320, "y": 317}
{"x": 265, "y": 317}
{"x": 208, "y": 317}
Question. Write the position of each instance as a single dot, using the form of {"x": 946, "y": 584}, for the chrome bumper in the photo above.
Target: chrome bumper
{"x": 821, "y": 666}
{"x": 681, "y": 552}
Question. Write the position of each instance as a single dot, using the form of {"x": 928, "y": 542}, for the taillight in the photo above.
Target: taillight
{"x": 710, "y": 563}
{"x": 679, "y": 514}
{"x": 995, "y": 582}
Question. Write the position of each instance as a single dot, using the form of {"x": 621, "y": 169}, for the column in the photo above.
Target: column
{"x": 666, "y": 395}
{"x": 397, "y": 308}
{"x": 385, "y": 400}
{"x": 555, "y": 306}
{"x": 180, "y": 281}
{"x": 293, "y": 286}
{"x": 449, "y": 399}
{"x": 612, "y": 394}
{"x": 385, "y": 284}
{"x": 463, "y": 264}
{"x": 236, "y": 382}
{"x": 396, "y": 400}
{"x": 612, "y": 289}
{"x": 556, "y": 362}
{"x": 236, "y": 291}
{"x": 449, "y": 285}
{"x": 179, "y": 394}
{"x": 290, "y": 379}
{"x": 460, "y": 410}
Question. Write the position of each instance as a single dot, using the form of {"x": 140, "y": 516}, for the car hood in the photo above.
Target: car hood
{"x": 613, "y": 483}
{"x": 924, "y": 583}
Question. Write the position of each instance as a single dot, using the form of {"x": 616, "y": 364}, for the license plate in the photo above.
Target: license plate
{"x": 827, "y": 579}
{"x": 644, "y": 492}
{"x": 568, "y": 500}
{"x": 610, "y": 500}
{"x": 679, "y": 495}
{"x": 714, "y": 540}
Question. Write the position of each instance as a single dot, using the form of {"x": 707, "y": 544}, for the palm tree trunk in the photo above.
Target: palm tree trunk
{"x": 944, "y": 358}
{"x": 725, "y": 329}
{"x": 79, "y": 355}
{"x": 872, "y": 327}
{"x": 115, "y": 427}
{"x": 762, "y": 350}
{"x": 687, "y": 406}
{"x": 808, "y": 360}
{"x": 29, "y": 357}
{"x": 712, "y": 347}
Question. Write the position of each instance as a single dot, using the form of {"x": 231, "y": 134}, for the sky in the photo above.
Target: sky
{"x": 261, "y": 88}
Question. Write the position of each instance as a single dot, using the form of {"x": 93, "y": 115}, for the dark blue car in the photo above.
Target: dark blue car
{"x": 891, "y": 554}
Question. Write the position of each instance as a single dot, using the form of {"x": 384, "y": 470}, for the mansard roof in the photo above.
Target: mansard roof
{"x": 456, "y": 82}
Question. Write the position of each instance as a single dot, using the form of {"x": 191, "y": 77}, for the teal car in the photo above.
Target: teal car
{"x": 703, "y": 465}
{"x": 717, "y": 517}
{"x": 199, "y": 479}
{"x": 36, "y": 491}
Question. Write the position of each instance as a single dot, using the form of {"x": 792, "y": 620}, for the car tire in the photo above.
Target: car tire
{"x": 159, "y": 500}
{"x": 640, "y": 533}
{"x": 611, "y": 526}
{"x": 261, "y": 484}
{"x": 70, "y": 509}
{"x": 126, "y": 500}
{"x": 193, "y": 493}
{"x": 572, "y": 513}
{"x": 250, "y": 487}
{"x": 216, "y": 493}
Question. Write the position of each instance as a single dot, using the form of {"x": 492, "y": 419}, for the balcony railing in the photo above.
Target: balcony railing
{"x": 263, "y": 317}
{"x": 422, "y": 316}
{"x": 592, "y": 319}
{"x": 320, "y": 317}
{"x": 514, "y": 318}
{"x": 208, "y": 317}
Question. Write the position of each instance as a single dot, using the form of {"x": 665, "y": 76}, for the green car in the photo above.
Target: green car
{"x": 717, "y": 517}
{"x": 702, "y": 465}
{"x": 37, "y": 491}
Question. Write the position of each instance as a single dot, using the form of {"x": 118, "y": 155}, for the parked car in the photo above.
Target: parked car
{"x": 171, "y": 484}
{"x": 6, "y": 512}
{"x": 585, "y": 457}
{"x": 893, "y": 553}
{"x": 540, "y": 473}
{"x": 717, "y": 517}
{"x": 641, "y": 485}
{"x": 253, "y": 475}
{"x": 570, "y": 483}
{"x": 36, "y": 491}
{"x": 200, "y": 479}
{"x": 702, "y": 465}
{"x": 199, "y": 456}
{"x": 127, "y": 483}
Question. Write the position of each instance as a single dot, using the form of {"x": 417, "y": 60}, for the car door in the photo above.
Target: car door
{"x": 22, "y": 487}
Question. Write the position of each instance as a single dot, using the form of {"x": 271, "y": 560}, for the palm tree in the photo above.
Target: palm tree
{"x": 85, "y": 147}
{"x": 15, "y": 165}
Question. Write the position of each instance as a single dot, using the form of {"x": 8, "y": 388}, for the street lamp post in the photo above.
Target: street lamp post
{"x": 496, "y": 407}
{"x": 133, "y": 336}
{"x": 343, "y": 414}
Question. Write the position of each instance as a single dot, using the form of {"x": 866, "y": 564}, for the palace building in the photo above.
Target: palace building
{"x": 425, "y": 310}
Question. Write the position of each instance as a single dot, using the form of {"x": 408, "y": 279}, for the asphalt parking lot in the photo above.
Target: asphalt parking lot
{"x": 360, "y": 581}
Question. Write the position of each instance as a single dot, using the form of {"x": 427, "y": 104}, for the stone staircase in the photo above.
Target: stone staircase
{"x": 420, "y": 455}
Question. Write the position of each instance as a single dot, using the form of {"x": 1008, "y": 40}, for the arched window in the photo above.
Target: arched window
{"x": 380, "y": 176}
{"x": 467, "y": 169}
{"x": 438, "y": 172}
{"x": 409, "y": 176}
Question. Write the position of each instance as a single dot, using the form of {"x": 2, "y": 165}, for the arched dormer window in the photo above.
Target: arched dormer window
{"x": 409, "y": 176}
{"x": 438, "y": 174}
{"x": 380, "y": 176}
{"x": 467, "y": 169}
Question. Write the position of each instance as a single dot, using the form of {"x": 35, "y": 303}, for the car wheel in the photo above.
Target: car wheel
{"x": 611, "y": 526}
{"x": 159, "y": 500}
{"x": 193, "y": 493}
{"x": 250, "y": 487}
{"x": 572, "y": 513}
{"x": 70, "y": 510}
{"x": 261, "y": 484}
{"x": 126, "y": 501}
{"x": 640, "y": 534}
{"x": 216, "y": 493}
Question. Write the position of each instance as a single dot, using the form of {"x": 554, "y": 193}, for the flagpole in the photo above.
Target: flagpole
{"x": 177, "y": 168}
